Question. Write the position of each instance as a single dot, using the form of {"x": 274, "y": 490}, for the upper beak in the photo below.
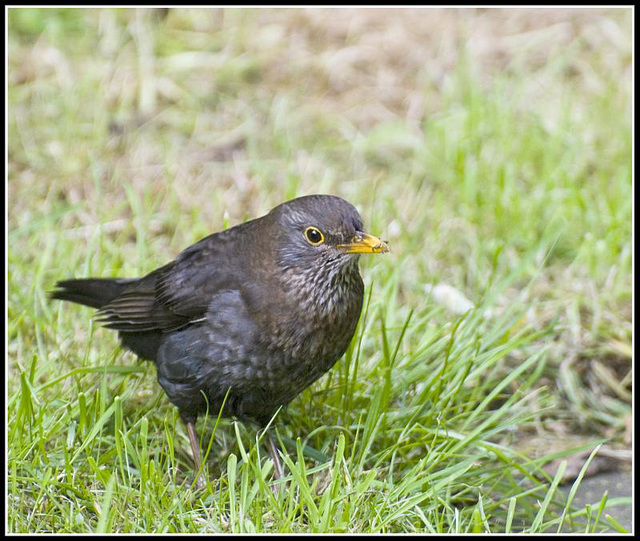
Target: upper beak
{"x": 363, "y": 243}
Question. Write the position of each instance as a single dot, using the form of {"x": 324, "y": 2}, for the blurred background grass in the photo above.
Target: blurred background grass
{"x": 487, "y": 146}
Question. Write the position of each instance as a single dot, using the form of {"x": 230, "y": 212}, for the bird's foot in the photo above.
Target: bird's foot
{"x": 199, "y": 482}
{"x": 277, "y": 466}
{"x": 277, "y": 486}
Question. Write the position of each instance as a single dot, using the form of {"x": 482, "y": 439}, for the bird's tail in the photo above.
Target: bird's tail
{"x": 94, "y": 292}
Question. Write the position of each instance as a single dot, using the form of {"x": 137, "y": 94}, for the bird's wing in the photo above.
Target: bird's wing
{"x": 174, "y": 295}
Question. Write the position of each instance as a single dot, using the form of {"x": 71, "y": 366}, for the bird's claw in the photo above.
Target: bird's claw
{"x": 199, "y": 482}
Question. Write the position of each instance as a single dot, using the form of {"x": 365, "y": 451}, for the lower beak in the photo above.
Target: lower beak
{"x": 363, "y": 243}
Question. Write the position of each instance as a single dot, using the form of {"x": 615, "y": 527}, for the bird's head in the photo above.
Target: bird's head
{"x": 321, "y": 234}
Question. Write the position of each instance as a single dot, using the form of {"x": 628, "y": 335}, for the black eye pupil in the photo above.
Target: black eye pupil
{"x": 314, "y": 236}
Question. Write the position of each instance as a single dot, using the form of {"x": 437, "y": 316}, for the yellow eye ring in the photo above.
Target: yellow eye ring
{"x": 314, "y": 236}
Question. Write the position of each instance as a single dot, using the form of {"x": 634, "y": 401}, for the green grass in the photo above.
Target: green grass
{"x": 505, "y": 173}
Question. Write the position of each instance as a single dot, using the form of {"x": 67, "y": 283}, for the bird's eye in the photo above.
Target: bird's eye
{"x": 314, "y": 236}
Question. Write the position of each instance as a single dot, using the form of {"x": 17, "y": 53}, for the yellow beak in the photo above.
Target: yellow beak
{"x": 363, "y": 243}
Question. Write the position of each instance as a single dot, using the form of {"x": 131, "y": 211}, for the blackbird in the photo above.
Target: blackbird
{"x": 249, "y": 316}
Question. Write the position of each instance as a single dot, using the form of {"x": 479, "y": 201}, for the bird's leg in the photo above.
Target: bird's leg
{"x": 195, "y": 449}
{"x": 273, "y": 452}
